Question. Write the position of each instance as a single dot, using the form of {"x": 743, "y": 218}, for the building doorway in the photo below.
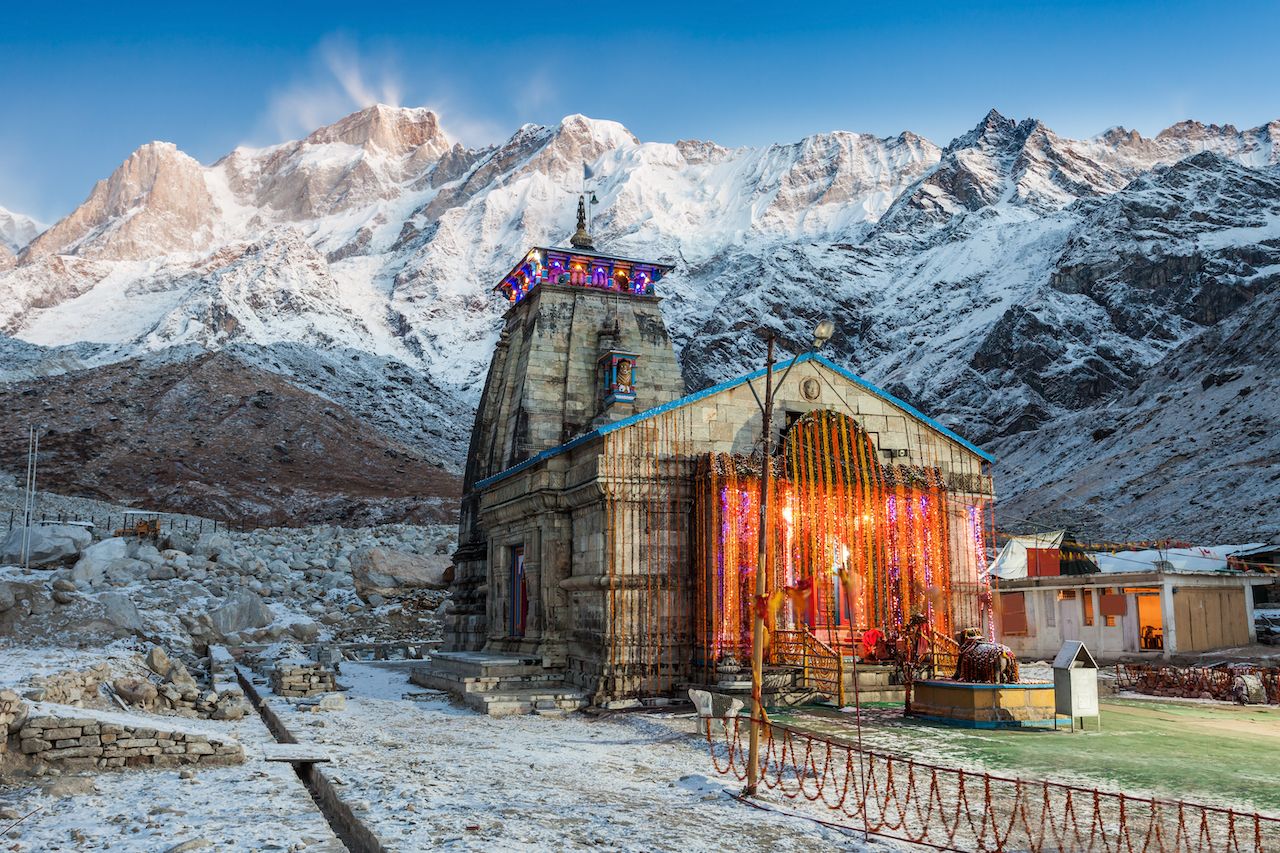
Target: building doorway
{"x": 519, "y": 614}
{"x": 1069, "y": 615}
{"x": 1150, "y": 619}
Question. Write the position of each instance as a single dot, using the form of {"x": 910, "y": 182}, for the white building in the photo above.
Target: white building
{"x": 1143, "y": 603}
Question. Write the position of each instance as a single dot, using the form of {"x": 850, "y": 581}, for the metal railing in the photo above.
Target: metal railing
{"x": 944, "y": 653}
{"x": 821, "y": 667}
{"x": 950, "y": 808}
{"x": 108, "y": 523}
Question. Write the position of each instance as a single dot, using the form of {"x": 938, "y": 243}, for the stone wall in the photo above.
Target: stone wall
{"x": 302, "y": 679}
{"x": 70, "y": 687}
{"x": 106, "y": 742}
{"x": 13, "y": 713}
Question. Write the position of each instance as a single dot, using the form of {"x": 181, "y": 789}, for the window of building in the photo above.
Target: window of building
{"x": 1066, "y": 595}
{"x": 1013, "y": 614}
{"x": 1050, "y": 609}
{"x": 1086, "y": 606}
{"x": 1111, "y": 606}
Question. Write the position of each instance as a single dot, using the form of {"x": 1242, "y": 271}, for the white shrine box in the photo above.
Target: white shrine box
{"x": 1075, "y": 683}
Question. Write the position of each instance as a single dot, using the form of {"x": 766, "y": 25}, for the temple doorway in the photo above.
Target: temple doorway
{"x": 519, "y": 614}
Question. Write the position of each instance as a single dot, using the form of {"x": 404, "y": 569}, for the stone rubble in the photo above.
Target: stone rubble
{"x": 263, "y": 586}
{"x": 300, "y": 679}
{"x": 13, "y": 713}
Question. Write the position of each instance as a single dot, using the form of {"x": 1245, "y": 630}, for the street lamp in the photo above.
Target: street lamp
{"x": 821, "y": 335}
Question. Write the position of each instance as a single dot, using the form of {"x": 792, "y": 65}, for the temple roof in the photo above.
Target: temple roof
{"x": 723, "y": 386}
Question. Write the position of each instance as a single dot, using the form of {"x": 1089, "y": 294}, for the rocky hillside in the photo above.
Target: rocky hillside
{"x": 210, "y": 435}
{"x": 1015, "y": 283}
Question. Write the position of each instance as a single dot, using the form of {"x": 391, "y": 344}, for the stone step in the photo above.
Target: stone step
{"x": 528, "y": 701}
{"x": 488, "y": 666}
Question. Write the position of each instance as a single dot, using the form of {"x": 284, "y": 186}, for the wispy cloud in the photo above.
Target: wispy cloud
{"x": 340, "y": 80}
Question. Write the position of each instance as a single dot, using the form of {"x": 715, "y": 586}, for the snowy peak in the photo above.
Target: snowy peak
{"x": 155, "y": 203}
{"x": 16, "y": 231}
{"x": 395, "y": 130}
{"x": 368, "y": 156}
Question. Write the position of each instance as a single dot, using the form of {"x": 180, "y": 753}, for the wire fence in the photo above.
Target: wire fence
{"x": 947, "y": 808}
{"x": 108, "y": 523}
{"x": 1193, "y": 682}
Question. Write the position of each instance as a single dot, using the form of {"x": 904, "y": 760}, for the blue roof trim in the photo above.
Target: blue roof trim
{"x": 715, "y": 389}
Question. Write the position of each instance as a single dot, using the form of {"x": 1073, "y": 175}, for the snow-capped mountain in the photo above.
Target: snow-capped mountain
{"x": 1009, "y": 282}
{"x": 16, "y": 231}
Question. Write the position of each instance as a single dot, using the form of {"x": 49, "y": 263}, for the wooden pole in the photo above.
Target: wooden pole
{"x": 757, "y": 621}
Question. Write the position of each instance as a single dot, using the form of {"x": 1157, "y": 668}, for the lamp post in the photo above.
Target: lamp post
{"x": 820, "y": 336}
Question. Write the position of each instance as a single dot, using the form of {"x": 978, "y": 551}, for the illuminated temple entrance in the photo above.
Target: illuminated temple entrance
{"x": 854, "y": 545}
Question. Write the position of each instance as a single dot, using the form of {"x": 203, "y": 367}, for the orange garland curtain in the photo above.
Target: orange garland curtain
{"x": 873, "y": 541}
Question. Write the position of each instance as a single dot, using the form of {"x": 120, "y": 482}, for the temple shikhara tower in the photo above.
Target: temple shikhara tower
{"x": 608, "y": 539}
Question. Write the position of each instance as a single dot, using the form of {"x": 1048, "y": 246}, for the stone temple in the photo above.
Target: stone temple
{"x": 609, "y": 523}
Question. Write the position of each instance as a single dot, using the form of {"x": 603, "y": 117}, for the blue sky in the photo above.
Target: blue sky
{"x": 85, "y": 85}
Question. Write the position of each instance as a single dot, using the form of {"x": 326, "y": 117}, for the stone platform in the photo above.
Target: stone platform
{"x": 986, "y": 706}
{"x": 500, "y": 684}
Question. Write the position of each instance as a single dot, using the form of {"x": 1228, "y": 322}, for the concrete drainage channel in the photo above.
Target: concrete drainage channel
{"x": 350, "y": 829}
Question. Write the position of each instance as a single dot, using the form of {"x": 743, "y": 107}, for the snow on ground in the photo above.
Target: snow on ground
{"x": 257, "y": 805}
{"x": 425, "y": 774}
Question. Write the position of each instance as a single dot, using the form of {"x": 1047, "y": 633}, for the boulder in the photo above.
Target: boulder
{"x": 180, "y": 678}
{"x": 126, "y": 571}
{"x": 213, "y": 545}
{"x": 136, "y": 691}
{"x": 392, "y": 574}
{"x": 179, "y": 540}
{"x": 158, "y": 661}
{"x": 119, "y": 611}
{"x": 239, "y": 611}
{"x": 305, "y": 632}
{"x": 91, "y": 568}
{"x": 7, "y": 597}
{"x": 49, "y": 545}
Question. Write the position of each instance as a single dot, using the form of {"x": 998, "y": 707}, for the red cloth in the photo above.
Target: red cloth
{"x": 871, "y": 639}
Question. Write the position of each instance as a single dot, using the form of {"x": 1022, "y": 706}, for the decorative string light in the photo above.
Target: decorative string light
{"x": 872, "y": 541}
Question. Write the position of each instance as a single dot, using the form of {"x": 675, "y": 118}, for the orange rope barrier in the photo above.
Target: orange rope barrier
{"x": 952, "y": 809}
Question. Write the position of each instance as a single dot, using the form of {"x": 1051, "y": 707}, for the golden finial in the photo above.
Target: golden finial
{"x": 581, "y": 239}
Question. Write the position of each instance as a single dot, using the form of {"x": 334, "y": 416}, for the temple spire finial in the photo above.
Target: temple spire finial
{"x": 581, "y": 239}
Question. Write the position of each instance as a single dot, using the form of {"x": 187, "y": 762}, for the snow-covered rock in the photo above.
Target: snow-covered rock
{"x": 240, "y": 611}
{"x": 390, "y": 574}
{"x": 16, "y": 231}
{"x": 91, "y": 568}
{"x": 46, "y": 544}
